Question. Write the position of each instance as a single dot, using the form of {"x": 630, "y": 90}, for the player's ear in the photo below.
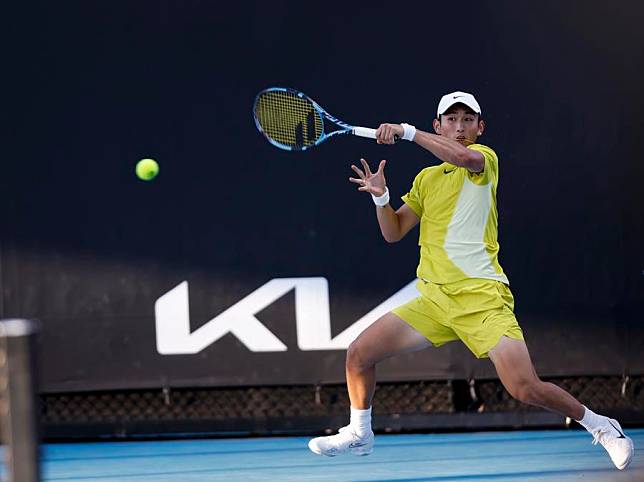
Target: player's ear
{"x": 481, "y": 127}
{"x": 437, "y": 126}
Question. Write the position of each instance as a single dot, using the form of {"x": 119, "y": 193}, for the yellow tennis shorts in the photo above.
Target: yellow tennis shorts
{"x": 477, "y": 311}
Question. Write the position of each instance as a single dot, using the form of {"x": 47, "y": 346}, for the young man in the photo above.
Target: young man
{"x": 464, "y": 292}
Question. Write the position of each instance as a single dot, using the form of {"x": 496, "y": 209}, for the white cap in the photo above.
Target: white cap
{"x": 457, "y": 97}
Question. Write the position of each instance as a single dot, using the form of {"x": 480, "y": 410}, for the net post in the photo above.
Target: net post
{"x": 19, "y": 411}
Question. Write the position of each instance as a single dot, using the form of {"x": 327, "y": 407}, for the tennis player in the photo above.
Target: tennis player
{"x": 464, "y": 294}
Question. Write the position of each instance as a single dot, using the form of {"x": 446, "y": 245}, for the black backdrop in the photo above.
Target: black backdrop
{"x": 95, "y": 86}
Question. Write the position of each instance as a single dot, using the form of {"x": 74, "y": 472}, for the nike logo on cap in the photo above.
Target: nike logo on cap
{"x": 457, "y": 96}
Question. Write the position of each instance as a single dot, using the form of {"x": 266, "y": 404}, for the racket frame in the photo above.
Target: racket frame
{"x": 346, "y": 128}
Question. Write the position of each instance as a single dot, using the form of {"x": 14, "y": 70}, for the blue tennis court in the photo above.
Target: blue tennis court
{"x": 486, "y": 456}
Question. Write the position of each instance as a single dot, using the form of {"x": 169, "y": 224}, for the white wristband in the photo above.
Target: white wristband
{"x": 409, "y": 132}
{"x": 383, "y": 200}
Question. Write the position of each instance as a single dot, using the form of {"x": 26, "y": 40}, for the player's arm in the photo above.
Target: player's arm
{"x": 450, "y": 151}
{"x": 447, "y": 150}
{"x": 394, "y": 225}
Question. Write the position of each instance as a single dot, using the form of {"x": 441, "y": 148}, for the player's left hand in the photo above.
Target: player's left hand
{"x": 371, "y": 182}
{"x": 385, "y": 133}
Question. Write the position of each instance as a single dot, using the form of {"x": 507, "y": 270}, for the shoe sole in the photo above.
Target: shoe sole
{"x": 630, "y": 459}
{"x": 628, "y": 462}
{"x": 355, "y": 451}
{"x": 361, "y": 453}
{"x": 316, "y": 450}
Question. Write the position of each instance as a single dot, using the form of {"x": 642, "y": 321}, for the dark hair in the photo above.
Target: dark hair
{"x": 467, "y": 108}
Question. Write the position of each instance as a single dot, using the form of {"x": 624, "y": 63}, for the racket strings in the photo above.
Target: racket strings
{"x": 288, "y": 119}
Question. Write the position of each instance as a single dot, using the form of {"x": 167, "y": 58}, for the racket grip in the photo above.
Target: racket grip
{"x": 370, "y": 133}
{"x": 364, "y": 132}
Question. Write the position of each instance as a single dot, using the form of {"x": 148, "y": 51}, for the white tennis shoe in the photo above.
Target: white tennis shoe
{"x": 344, "y": 441}
{"x": 617, "y": 444}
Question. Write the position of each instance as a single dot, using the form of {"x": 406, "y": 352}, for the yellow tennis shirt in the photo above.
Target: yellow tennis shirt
{"x": 458, "y": 221}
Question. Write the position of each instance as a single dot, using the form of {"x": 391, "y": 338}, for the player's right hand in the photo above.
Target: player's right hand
{"x": 389, "y": 133}
{"x": 372, "y": 182}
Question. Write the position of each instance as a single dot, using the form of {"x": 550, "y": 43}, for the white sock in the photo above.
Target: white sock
{"x": 591, "y": 420}
{"x": 361, "y": 421}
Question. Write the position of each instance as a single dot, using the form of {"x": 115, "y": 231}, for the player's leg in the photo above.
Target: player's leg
{"x": 386, "y": 337}
{"x": 514, "y": 367}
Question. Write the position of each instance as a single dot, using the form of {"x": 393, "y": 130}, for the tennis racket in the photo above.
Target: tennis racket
{"x": 293, "y": 121}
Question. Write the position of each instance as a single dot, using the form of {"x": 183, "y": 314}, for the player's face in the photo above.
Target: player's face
{"x": 460, "y": 124}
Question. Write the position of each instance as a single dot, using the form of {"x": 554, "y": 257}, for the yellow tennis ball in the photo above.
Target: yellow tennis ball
{"x": 147, "y": 169}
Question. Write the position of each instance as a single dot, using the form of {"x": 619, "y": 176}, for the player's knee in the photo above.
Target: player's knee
{"x": 356, "y": 360}
{"x": 526, "y": 391}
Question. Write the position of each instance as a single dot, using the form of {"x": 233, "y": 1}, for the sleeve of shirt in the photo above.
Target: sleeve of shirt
{"x": 490, "y": 172}
{"x": 413, "y": 197}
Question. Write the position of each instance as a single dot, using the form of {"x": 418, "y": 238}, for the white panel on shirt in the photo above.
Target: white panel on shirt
{"x": 464, "y": 242}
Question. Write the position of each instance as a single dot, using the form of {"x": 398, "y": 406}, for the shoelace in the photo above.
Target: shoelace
{"x": 598, "y": 434}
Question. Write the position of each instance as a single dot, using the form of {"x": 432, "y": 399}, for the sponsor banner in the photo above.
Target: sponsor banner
{"x": 108, "y": 324}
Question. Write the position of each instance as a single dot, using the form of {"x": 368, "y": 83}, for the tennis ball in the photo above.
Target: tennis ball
{"x": 147, "y": 169}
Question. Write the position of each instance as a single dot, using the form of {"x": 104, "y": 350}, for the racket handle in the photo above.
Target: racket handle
{"x": 370, "y": 133}
{"x": 364, "y": 132}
